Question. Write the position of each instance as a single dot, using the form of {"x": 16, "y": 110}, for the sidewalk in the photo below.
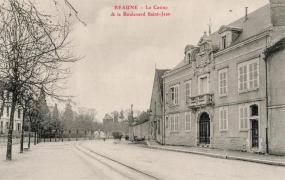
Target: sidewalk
{"x": 223, "y": 154}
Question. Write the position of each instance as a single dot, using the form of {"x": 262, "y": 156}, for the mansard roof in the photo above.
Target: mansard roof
{"x": 257, "y": 22}
{"x": 229, "y": 28}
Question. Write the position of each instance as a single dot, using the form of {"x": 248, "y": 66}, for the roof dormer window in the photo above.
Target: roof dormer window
{"x": 228, "y": 35}
{"x": 224, "y": 42}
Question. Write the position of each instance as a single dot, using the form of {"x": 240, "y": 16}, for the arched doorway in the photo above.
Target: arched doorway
{"x": 204, "y": 128}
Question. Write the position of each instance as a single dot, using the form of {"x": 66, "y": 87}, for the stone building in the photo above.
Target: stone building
{"x": 5, "y": 117}
{"x": 156, "y": 105}
{"x": 226, "y": 93}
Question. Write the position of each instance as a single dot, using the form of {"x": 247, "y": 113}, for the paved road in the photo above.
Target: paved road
{"x": 83, "y": 160}
{"x": 175, "y": 165}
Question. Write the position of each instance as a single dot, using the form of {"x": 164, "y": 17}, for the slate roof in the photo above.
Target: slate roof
{"x": 257, "y": 22}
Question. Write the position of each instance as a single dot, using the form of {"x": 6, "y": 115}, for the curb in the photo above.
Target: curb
{"x": 274, "y": 163}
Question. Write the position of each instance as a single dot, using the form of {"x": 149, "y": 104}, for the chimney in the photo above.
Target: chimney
{"x": 277, "y": 11}
{"x": 245, "y": 18}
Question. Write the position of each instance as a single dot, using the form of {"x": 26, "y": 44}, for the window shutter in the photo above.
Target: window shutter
{"x": 245, "y": 117}
{"x": 225, "y": 119}
{"x": 250, "y": 76}
{"x": 245, "y": 77}
{"x": 221, "y": 83}
{"x": 221, "y": 119}
{"x": 169, "y": 97}
{"x": 225, "y": 82}
{"x": 240, "y": 78}
{"x": 255, "y": 75}
{"x": 241, "y": 117}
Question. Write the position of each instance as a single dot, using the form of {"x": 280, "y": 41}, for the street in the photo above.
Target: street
{"x": 99, "y": 160}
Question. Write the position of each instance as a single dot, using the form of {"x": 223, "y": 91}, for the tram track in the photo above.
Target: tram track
{"x": 122, "y": 168}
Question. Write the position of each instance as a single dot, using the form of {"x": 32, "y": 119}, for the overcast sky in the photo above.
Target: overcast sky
{"x": 121, "y": 52}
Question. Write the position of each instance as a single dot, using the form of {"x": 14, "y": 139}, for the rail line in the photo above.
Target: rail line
{"x": 148, "y": 176}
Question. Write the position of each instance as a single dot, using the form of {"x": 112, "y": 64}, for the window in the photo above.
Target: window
{"x": 174, "y": 95}
{"x": 223, "y": 118}
{"x": 7, "y": 125}
{"x": 203, "y": 85}
{"x": 166, "y": 122}
{"x": 19, "y": 113}
{"x": 19, "y": 126}
{"x": 254, "y": 110}
{"x": 7, "y": 111}
{"x": 174, "y": 123}
{"x": 1, "y": 124}
{"x": 224, "y": 42}
{"x": 243, "y": 118}
{"x": 248, "y": 73}
{"x": 223, "y": 81}
{"x": 187, "y": 122}
{"x": 189, "y": 58}
{"x": 187, "y": 90}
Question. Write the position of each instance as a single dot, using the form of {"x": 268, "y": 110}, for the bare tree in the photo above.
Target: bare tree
{"x": 33, "y": 48}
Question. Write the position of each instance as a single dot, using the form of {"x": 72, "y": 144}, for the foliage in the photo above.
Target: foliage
{"x": 117, "y": 135}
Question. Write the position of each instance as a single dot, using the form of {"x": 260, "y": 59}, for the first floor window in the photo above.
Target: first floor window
{"x": 187, "y": 90}
{"x": 187, "y": 121}
{"x": 243, "y": 118}
{"x": 223, "y": 118}
{"x": 173, "y": 95}
{"x": 223, "y": 82}
{"x": 248, "y": 74}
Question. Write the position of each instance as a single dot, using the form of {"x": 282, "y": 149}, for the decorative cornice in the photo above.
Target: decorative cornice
{"x": 177, "y": 70}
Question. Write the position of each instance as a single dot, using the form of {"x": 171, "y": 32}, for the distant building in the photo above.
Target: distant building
{"x": 5, "y": 116}
{"x": 107, "y": 119}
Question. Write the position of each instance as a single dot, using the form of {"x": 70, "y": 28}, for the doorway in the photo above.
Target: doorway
{"x": 204, "y": 128}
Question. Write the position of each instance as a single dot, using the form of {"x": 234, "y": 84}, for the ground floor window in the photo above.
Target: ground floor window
{"x": 187, "y": 121}
{"x": 174, "y": 123}
{"x": 223, "y": 118}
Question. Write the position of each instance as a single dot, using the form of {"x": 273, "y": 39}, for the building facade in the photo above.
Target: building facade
{"x": 156, "y": 107}
{"x": 219, "y": 95}
{"x": 5, "y": 117}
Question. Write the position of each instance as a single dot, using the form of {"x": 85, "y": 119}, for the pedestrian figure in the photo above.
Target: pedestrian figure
{"x": 103, "y": 139}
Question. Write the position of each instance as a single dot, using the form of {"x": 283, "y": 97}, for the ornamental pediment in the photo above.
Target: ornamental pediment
{"x": 229, "y": 28}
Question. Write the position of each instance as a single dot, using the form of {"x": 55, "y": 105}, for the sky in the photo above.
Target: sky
{"x": 120, "y": 53}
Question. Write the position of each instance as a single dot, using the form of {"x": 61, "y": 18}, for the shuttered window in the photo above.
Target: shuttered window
{"x": 243, "y": 117}
{"x": 223, "y": 118}
{"x": 174, "y": 123}
{"x": 248, "y": 73}
{"x": 187, "y": 90}
{"x": 223, "y": 81}
{"x": 187, "y": 122}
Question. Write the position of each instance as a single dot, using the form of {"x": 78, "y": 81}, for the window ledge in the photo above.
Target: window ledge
{"x": 248, "y": 90}
{"x": 174, "y": 105}
{"x": 223, "y": 95}
{"x": 243, "y": 130}
{"x": 223, "y": 131}
{"x": 187, "y": 131}
{"x": 174, "y": 132}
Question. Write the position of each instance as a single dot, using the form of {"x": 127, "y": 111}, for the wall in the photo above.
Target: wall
{"x": 276, "y": 103}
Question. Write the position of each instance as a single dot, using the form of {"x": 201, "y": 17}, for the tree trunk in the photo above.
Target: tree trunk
{"x": 22, "y": 135}
{"x": 55, "y": 135}
{"x": 68, "y": 135}
{"x": 29, "y": 140}
{"x": 11, "y": 126}
{"x": 62, "y": 136}
{"x": 50, "y": 135}
{"x": 44, "y": 135}
{"x": 76, "y": 135}
{"x": 35, "y": 138}
{"x": 85, "y": 135}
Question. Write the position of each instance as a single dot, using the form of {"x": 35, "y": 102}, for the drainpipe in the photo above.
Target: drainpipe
{"x": 163, "y": 102}
{"x": 266, "y": 97}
